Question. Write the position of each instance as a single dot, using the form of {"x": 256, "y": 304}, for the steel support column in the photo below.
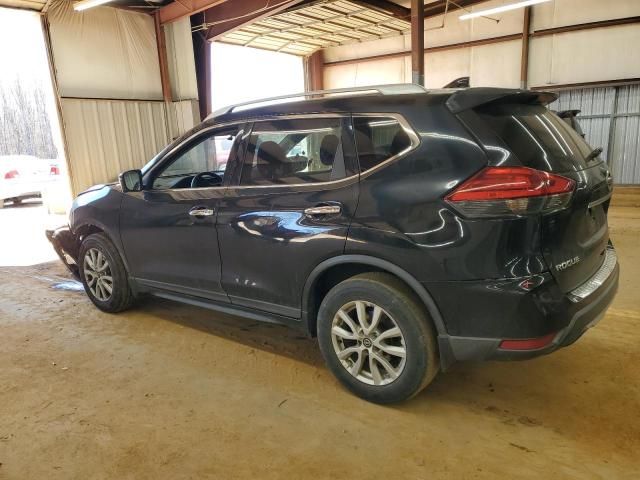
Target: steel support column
{"x": 202, "y": 55}
{"x": 417, "y": 42}
{"x": 524, "y": 60}
{"x": 162, "y": 59}
{"x": 313, "y": 74}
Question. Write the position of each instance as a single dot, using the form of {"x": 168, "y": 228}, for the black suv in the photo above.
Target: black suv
{"x": 406, "y": 229}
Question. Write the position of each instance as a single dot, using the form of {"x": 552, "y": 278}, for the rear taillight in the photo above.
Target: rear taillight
{"x": 11, "y": 174}
{"x": 54, "y": 170}
{"x": 509, "y": 191}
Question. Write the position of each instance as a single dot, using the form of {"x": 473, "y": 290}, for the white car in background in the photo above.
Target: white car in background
{"x": 25, "y": 176}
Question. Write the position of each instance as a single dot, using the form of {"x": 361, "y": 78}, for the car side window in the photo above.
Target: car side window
{"x": 207, "y": 159}
{"x": 378, "y": 139}
{"x": 293, "y": 151}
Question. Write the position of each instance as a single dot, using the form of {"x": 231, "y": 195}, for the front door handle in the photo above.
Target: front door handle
{"x": 201, "y": 212}
{"x": 322, "y": 210}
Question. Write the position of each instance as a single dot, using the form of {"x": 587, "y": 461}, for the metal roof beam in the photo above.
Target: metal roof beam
{"x": 438, "y": 8}
{"x": 184, "y": 8}
{"x": 234, "y": 14}
{"x": 387, "y": 7}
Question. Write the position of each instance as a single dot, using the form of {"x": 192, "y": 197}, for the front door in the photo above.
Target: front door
{"x": 169, "y": 229}
{"x": 295, "y": 194}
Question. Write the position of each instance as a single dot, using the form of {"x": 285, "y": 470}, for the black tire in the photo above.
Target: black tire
{"x": 399, "y": 302}
{"x": 121, "y": 296}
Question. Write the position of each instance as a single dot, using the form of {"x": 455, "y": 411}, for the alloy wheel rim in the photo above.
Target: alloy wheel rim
{"x": 368, "y": 343}
{"x": 97, "y": 273}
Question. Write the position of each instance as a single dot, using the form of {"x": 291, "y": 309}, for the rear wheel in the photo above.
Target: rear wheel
{"x": 103, "y": 274}
{"x": 377, "y": 339}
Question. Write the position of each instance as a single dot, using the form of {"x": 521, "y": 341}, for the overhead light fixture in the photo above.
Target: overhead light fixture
{"x": 503, "y": 8}
{"x": 84, "y": 4}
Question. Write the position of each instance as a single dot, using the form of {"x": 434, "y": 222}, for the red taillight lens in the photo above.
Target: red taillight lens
{"x": 498, "y": 191}
{"x": 11, "y": 174}
{"x": 55, "y": 170}
{"x": 528, "y": 344}
{"x": 510, "y": 182}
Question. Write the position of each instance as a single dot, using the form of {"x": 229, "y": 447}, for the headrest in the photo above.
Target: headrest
{"x": 400, "y": 141}
{"x": 270, "y": 158}
{"x": 270, "y": 152}
{"x": 328, "y": 149}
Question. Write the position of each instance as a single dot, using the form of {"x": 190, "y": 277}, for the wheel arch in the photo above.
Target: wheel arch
{"x": 90, "y": 227}
{"x": 87, "y": 229}
{"x": 345, "y": 266}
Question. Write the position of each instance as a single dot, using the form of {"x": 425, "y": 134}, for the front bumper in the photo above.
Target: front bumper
{"x": 565, "y": 319}
{"x": 67, "y": 247}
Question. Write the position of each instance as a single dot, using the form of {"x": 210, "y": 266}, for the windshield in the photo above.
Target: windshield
{"x": 538, "y": 137}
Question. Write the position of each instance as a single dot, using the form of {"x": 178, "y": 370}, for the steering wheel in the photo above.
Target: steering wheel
{"x": 212, "y": 179}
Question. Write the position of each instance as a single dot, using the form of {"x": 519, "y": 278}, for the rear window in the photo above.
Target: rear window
{"x": 378, "y": 139}
{"x": 538, "y": 137}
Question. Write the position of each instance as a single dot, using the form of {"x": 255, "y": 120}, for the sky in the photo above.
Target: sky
{"x": 22, "y": 51}
{"x": 23, "y": 55}
{"x": 242, "y": 73}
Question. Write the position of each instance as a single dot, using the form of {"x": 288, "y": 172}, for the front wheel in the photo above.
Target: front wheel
{"x": 377, "y": 339}
{"x": 103, "y": 274}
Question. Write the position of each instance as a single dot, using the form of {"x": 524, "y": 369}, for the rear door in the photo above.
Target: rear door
{"x": 294, "y": 198}
{"x": 573, "y": 240}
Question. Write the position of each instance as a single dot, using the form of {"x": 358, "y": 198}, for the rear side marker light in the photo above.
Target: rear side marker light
{"x": 528, "y": 344}
{"x": 509, "y": 191}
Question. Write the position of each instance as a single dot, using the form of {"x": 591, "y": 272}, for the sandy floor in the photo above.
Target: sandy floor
{"x": 22, "y": 239}
{"x": 171, "y": 391}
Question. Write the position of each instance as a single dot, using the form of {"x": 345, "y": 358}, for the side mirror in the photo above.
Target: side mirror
{"x": 131, "y": 181}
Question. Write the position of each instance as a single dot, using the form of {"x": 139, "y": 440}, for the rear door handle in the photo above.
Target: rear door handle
{"x": 323, "y": 210}
{"x": 201, "y": 212}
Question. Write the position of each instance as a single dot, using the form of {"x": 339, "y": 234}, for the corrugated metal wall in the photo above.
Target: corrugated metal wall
{"x": 626, "y": 146}
{"x": 106, "y": 137}
{"x": 596, "y": 106}
{"x": 108, "y": 79}
{"x": 610, "y": 118}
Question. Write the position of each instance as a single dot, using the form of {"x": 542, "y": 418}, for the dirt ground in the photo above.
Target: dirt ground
{"x": 171, "y": 391}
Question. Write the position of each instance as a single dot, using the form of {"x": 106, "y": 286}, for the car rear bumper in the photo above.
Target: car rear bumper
{"x": 564, "y": 319}
{"x": 66, "y": 246}
{"x": 30, "y": 189}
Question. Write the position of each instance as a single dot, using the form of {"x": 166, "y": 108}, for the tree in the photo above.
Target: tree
{"x": 25, "y": 128}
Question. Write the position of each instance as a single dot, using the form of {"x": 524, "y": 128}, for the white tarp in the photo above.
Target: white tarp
{"x": 180, "y": 59}
{"x": 109, "y": 79}
{"x": 104, "y": 53}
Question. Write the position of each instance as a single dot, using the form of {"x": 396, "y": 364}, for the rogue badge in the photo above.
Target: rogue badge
{"x": 567, "y": 263}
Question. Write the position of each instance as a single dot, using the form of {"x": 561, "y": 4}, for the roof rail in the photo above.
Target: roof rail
{"x": 391, "y": 89}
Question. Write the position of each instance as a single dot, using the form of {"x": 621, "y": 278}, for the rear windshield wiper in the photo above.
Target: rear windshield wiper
{"x": 593, "y": 154}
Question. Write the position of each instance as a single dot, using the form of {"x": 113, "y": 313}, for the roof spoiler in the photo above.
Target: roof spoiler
{"x": 474, "y": 97}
